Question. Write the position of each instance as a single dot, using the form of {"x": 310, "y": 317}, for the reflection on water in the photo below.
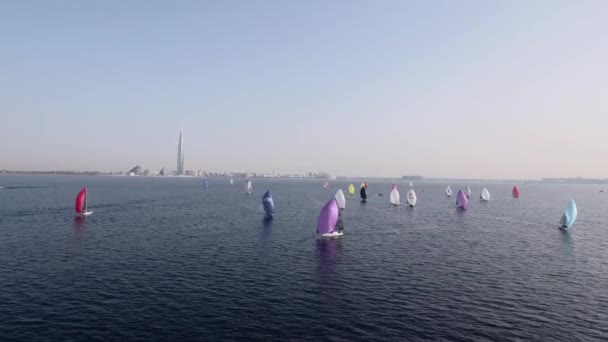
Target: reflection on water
{"x": 79, "y": 227}
{"x": 266, "y": 226}
{"x": 328, "y": 250}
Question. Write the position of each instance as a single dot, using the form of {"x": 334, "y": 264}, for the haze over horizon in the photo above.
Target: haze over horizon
{"x": 470, "y": 89}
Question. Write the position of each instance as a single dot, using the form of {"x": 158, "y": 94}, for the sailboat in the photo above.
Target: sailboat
{"x": 248, "y": 187}
{"x": 231, "y": 181}
{"x": 325, "y": 185}
{"x": 206, "y": 185}
{"x": 468, "y": 192}
{"x": 363, "y": 193}
{"x": 268, "y": 203}
{"x": 515, "y": 192}
{"x": 448, "y": 191}
{"x": 340, "y": 199}
{"x": 365, "y": 184}
{"x": 80, "y": 206}
{"x": 411, "y": 184}
{"x": 569, "y": 215}
{"x": 328, "y": 219}
{"x": 394, "y": 196}
{"x": 485, "y": 195}
{"x": 411, "y": 198}
{"x": 351, "y": 190}
{"x": 461, "y": 200}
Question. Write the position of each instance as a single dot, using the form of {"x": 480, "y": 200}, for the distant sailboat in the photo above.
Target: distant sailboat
{"x": 363, "y": 193}
{"x": 461, "y": 200}
{"x": 325, "y": 185}
{"x": 411, "y": 198}
{"x": 231, "y": 181}
{"x": 268, "y": 203}
{"x": 328, "y": 219}
{"x": 365, "y": 184}
{"x": 515, "y": 192}
{"x": 248, "y": 187}
{"x": 569, "y": 215}
{"x": 340, "y": 199}
{"x": 411, "y": 184}
{"x": 448, "y": 191}
{"x": 468, "y": 192}
{"x": 485, "y": 195}
{"x": 80, "y": 206}
{"x": 351, "y": 190}
{"x": 394, "y": 196}
{"x": 206, "y": 184}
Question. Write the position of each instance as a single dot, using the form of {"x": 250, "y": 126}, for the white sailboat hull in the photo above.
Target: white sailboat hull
{"x": 332, "y": 234}
{"x": 86, "y": 213}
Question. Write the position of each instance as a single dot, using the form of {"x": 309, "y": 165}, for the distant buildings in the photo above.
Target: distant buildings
{"x": 180, "y": 155}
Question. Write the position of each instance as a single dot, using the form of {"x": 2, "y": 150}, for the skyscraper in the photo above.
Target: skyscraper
{"x": 180, "y": 154}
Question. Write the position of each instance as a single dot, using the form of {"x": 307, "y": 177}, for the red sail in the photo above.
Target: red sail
{"x": 515, "y": 192}
{"x": 80, "y": 198}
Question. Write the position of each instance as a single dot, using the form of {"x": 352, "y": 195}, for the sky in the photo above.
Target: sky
{"x": 463, "y": 89}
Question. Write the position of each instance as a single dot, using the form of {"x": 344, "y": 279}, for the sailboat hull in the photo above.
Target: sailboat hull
{"x": 86, "y": 213}
{"x": 332, "y": 234}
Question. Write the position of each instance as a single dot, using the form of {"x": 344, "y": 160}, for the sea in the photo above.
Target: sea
{"x": 163, "y": 258}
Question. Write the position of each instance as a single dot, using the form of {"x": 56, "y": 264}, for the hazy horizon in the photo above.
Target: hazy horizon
{"x": 443, "y": 89}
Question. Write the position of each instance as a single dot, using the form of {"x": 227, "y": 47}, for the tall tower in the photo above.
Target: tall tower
{"x": 180, "y": 154}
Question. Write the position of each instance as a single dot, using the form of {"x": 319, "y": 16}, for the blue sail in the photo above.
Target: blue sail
{"x": 268, "y": 203}
{"x": 569, "y": 215}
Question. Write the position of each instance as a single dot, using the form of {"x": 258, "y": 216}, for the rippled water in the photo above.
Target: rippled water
{"x": 163, "y": 258}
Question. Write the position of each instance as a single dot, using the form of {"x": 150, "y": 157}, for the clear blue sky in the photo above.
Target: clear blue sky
{"x": 487, "y": 89}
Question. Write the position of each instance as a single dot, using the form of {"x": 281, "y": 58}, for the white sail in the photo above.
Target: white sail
{"x": 411, "y": 198}
{"x": 231, "y": 181}
{"x": 394, "y": 197}
{"x": 468, "y": 192}
{"x": 340, "y": 199}
{"x": 249, "y": 187}
{"x": 411, "y": 184}
{"x": 448, "y": 191}
{"x": 485, "y": 195}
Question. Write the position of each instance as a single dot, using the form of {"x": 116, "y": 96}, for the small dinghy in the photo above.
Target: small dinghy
{"x": 363, "y": 193}
{"x": 248, "y": 187}
{"x": 515, "y": 192}
{"x": 448, "y": 191}
{"x": 340, "y": 199}
{"x": 81, "y": 205}
{"x": 411, "y": 198}
{"x": 569, "y": 215}
{"x": 268, "y": 204}
{"x": 395, "y": 199}
{"x": 327, "y": 222}
{"x": 485, "y": 195}
{"x": 351, "y": 190}
{"x": 461, "y": 200}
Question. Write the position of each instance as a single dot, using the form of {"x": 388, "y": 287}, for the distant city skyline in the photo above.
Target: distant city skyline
{"x": 468, "y": 89}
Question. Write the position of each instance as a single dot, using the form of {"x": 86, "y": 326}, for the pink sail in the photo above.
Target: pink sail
{"x": 461, "y": 200}
{"x": 394, "y": 187}
{"x": 515, "y": 192}
{"x": 328, "y": 218}
{"x": 81, "y": 198}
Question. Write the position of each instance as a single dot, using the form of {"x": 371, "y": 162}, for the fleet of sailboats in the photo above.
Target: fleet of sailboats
{"x": 329, "y": 222}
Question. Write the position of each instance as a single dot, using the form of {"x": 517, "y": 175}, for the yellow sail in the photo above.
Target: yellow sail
{"x": 351, "y": 190}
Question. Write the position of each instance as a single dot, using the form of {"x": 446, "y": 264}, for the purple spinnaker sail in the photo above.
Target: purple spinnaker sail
{"x": 268, "y": 203}
{"x": 461, "y": 200}
{"x": 328, "y": 218}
